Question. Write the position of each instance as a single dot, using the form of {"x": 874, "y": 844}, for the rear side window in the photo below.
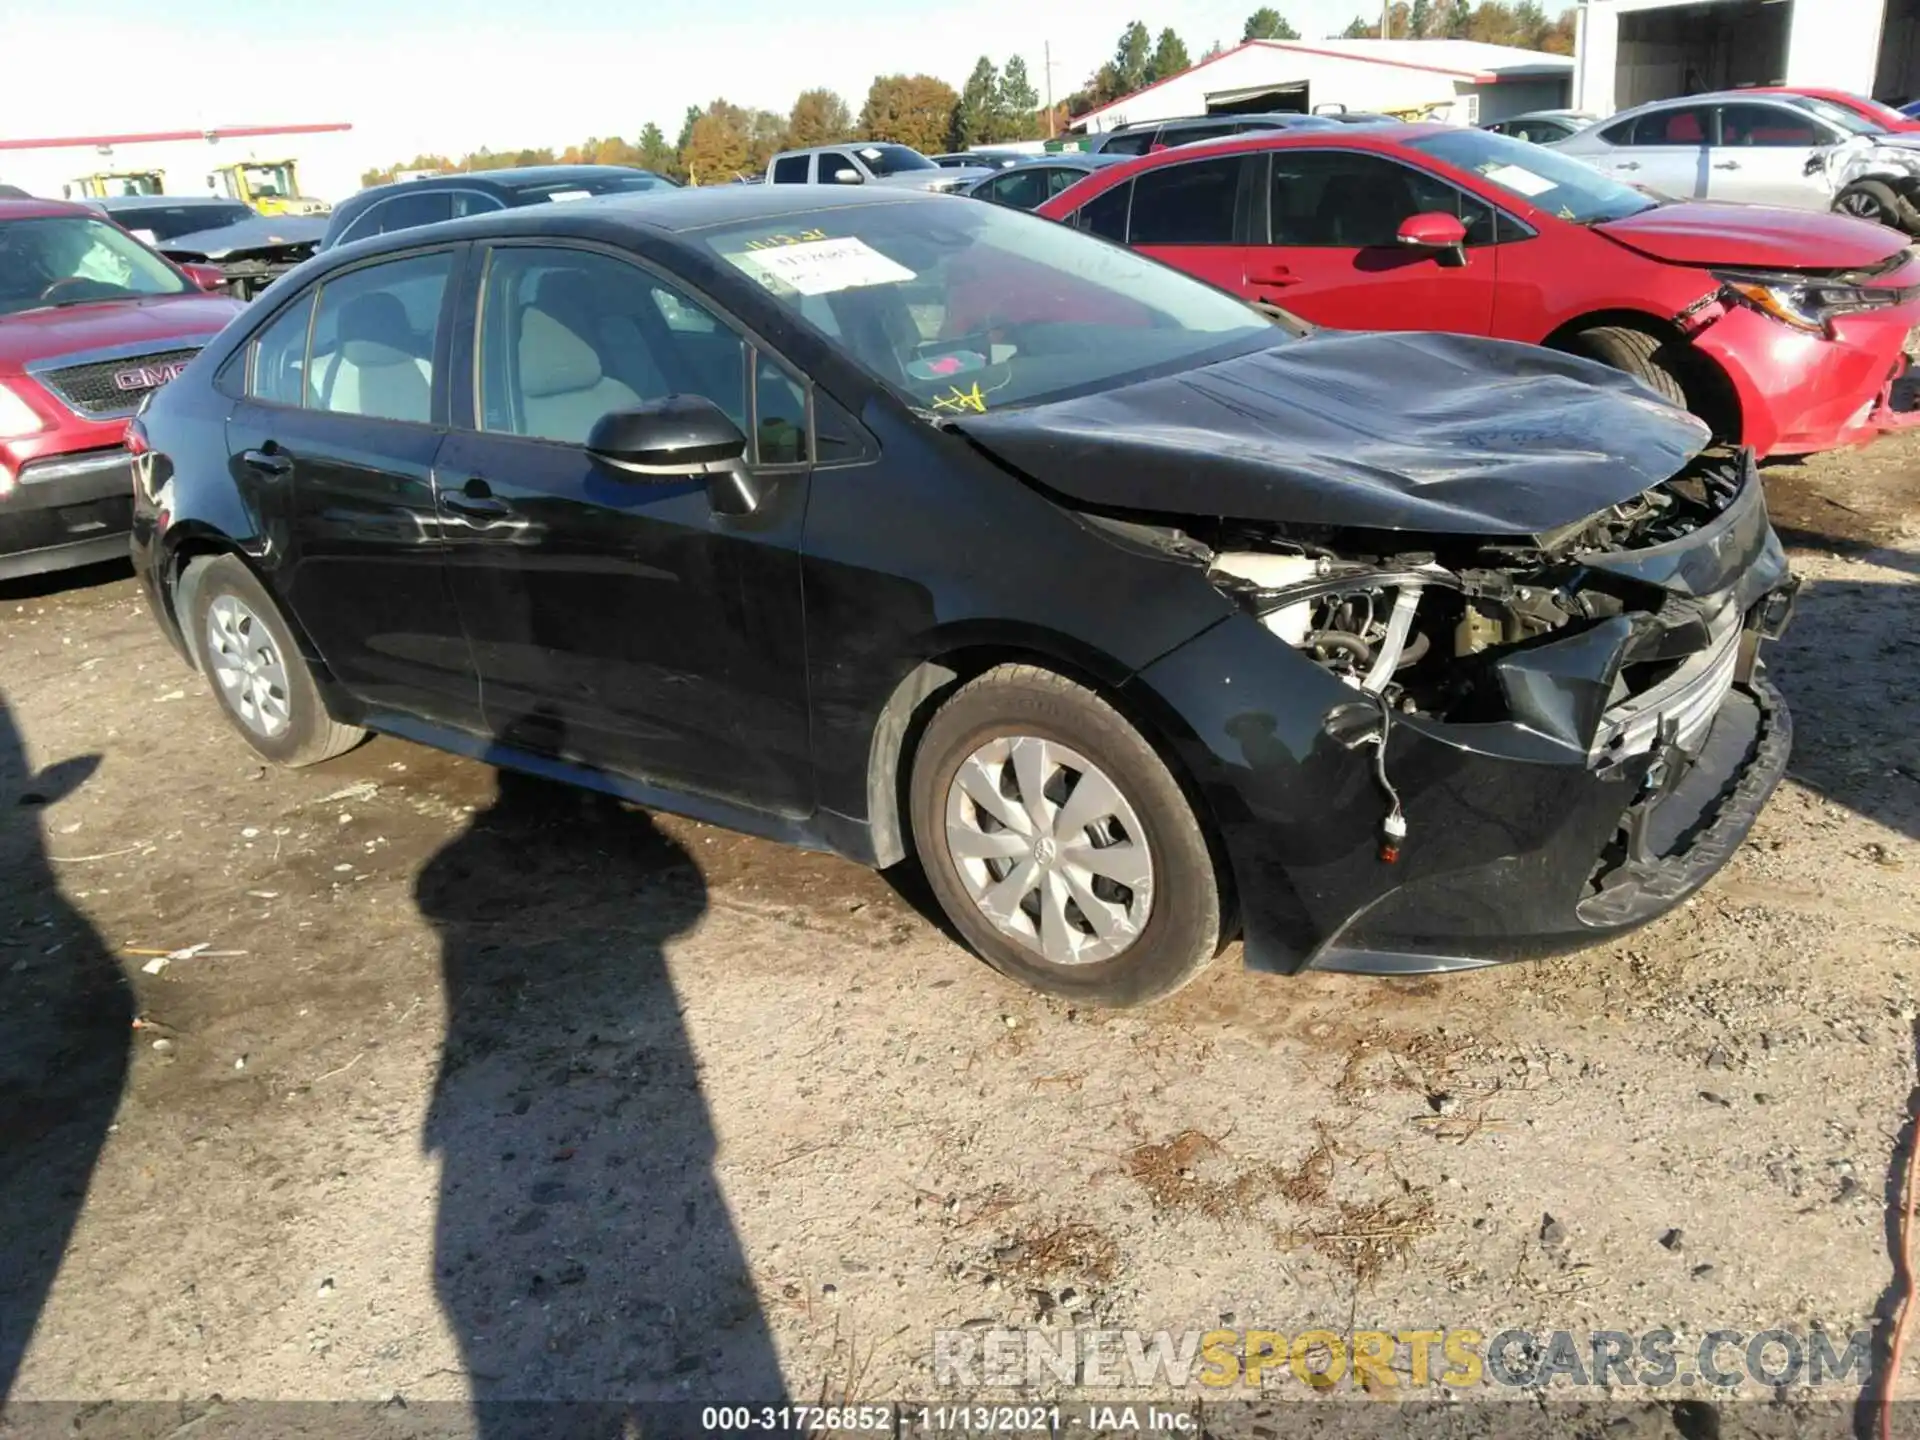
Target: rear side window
{"x": 1686, "y": 126}
{"x": 1134, "y": 142}
{"x": 791, "y": 170}
{"x": 373, "y": 339}
{"x": 1189, "y": 204}
{"x": 1772, "y": 126}
{"x": 1194, "y": 134}
{"x": 279, "y": 364}
{"x": 1106, "y": 214}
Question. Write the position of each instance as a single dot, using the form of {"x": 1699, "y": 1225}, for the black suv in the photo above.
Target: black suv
{"x": 1166, "y": 134}
{"x": 408, "y": 203}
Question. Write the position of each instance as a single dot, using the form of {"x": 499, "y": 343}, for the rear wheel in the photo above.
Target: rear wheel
{"x": 249, "y": 657}
{"x": 1059, "y": 843}
{"x": 1647, "y": 357}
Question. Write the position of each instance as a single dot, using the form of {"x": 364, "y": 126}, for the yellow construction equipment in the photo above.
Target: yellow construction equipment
{"x": 112, "y": 184}
{"x": 270, "y": 186}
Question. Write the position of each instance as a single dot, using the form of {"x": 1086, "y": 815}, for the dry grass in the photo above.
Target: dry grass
{"x": 1048, "y": 1251}
{"x": 1365, "y": 1239}
{"x": 1417, "y": 1060}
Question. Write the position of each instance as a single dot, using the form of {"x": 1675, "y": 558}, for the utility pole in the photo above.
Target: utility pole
{"x": 1047, "y": 60}
{"x": 1386, "y": 19}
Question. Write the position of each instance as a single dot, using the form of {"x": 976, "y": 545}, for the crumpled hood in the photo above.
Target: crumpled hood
{"x": 1446, "y": 434}
{"x": 266, "y": 232}
{"x": 1754, "y": 237}
{"x": 163, "y": 322}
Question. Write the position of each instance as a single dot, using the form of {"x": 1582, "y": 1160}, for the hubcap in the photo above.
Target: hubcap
{"x": 248, "y": 667}
{"x": 1050, "y": 849}
{"x": 1860, "y": 205}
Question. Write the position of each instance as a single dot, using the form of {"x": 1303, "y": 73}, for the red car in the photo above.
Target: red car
{"x": 90, "y": 321}
{"x": 1873, "y": 111}
{"x": 1790, "y": 331}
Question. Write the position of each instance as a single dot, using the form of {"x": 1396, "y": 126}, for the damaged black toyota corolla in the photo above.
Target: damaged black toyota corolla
{"x": 903, "y": 525}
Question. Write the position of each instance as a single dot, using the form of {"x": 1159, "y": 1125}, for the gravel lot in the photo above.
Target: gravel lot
{"x": 484, "y": 1088}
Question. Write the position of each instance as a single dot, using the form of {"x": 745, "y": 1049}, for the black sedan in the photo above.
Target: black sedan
{"x": 1030, "y": 184}
{"x": 895, "y": 524}
{"x": 409, "y": 204}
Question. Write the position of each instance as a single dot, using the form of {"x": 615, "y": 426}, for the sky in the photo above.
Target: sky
{"x": 448, "y": 76}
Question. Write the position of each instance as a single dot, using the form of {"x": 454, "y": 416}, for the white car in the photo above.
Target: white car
{"x": 1763, "y": 149}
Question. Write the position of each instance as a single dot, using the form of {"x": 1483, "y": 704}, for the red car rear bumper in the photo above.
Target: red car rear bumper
{"x": 1802, "y": 393}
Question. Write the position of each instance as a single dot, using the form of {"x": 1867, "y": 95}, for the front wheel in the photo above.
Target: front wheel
{"x": 247, "y": 653}
{"x": 1059, "y": 843}
{"x": 1877, "y": 201}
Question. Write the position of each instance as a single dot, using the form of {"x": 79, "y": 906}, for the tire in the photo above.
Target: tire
{"x": 231, "y": 624}
{"x": 1648, "y": 358}
{"x": 1152, "y": 936}
{"x": 1872, "y": 200}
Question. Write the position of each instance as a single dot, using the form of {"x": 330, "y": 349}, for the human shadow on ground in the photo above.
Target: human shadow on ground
{"x": 68, "y": 1012}
{"x": 584, "y": 1251}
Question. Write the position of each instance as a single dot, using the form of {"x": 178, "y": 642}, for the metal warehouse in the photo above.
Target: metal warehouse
{"x": 1462, "y": 81}
{"x": 1633, "y": 51}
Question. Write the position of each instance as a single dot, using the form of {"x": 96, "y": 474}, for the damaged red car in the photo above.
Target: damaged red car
{"x": 1787, "y": 331}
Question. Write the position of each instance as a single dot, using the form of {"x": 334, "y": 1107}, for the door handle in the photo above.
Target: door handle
{"x": 1726, "y": 165}
{"x": 1627, "y": 165}
{"x": 267, "y": 462}
{"x": 476, "y": 499}
{"x": 1277, "y": 278}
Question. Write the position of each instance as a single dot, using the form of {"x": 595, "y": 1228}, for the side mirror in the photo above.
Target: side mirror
{"x": 1436, "y": 231}
{"x": 846, "y": 175}
{"x": 207, "y": 277}
{"x": 679, "y": 437}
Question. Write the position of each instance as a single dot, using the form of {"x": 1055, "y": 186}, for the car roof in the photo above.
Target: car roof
{"x": 37, "y": 209}
{"x": 854, "y": 145}
{"x": 162, "y": 202}
{"x": 661, "y": 212}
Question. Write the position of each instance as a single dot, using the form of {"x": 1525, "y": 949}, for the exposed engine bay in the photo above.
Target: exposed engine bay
{"x": 1445, "y": 629}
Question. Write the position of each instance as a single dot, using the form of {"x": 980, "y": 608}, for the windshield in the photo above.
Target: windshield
{"x": 155, "y": 223}
{"x": 892, "y": 159}
{"x": 55, "y": 260}
{"x": 1553, "y": 183}
{"x": 968, "y": 308}
{"x": 273, "y": 180}
{"x": 1851, "y": 121}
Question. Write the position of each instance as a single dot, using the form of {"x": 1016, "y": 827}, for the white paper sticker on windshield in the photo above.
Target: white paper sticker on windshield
{"x": 821, "y": 267}
{"x": 559, "y": 195}
{"x": 146, "y": 237}
{"x": 872, "y": 152}
{"x": 1519, "y": 179}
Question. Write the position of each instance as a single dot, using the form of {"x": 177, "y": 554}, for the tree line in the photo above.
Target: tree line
{"x": 721, "y": 141}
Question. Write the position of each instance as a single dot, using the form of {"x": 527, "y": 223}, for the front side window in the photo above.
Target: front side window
{"x": 373, "y": 339}
{"x": 567, "y": 336}
{"x": 779, "y": 416}
{"x": 473, "y": 202}
{"x": 1345, "y": 199}
{"x": 1022, "y": 189}
{"x": 968, "y": 308}
{"x": 1134, "y": 142}
{"x": 1769, "y": 126}
{"x": 57, "y": 260}
{"x": 893, "y": 159}
{"x": 1191, "y": 204}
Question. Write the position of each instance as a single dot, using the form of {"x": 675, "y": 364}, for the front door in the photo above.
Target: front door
{"x": 1335, "y": 257}
{"x": 621, "y": 622}
{"x": 1762, "y": 157}
{"x": 335, "y": 439}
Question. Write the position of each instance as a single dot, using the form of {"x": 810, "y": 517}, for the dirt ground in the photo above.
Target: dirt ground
{"x": 461, "y": 1086}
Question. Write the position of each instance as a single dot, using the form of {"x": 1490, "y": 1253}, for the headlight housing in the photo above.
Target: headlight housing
{"x": 1803, "y": 302}
{"x": 17, "y": 418}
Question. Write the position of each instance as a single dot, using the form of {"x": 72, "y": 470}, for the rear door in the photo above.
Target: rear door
{"x": 1663, "y": 150}
{"x": 1199, "y": 216}
{"x": 335, "y": 438}
{"x": 1333, "y": 254}
{"x": 1762, "y": 153}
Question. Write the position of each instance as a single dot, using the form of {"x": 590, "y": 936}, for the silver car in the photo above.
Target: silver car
{"x": 869, "y": 162}
{"x": 1732, "y": 145}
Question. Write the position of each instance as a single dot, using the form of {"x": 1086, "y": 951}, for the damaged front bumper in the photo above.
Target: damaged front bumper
{"x": 1576, "y": 819}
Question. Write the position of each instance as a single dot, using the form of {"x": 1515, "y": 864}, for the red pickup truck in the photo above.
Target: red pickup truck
{"x": 90, "y": 321}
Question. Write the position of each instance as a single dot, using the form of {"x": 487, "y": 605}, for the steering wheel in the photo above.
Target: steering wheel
{"x": 57, "y": 286}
